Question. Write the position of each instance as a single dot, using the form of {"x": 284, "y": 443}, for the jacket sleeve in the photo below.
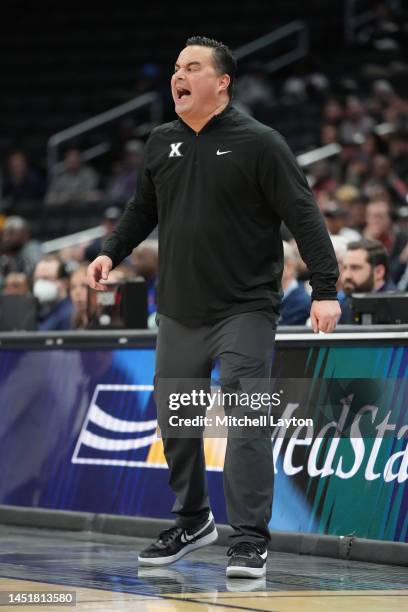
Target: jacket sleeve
{"x": 137, "y": 221}
{"x": 286, "y": 190}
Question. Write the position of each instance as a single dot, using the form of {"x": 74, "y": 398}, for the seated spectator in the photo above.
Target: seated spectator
{"x": 21, "y": 183}
{"x": 254, "y": 91}
{"x": 403, "y": 281}
{"x": 399, "y": 153}
{"x": 328, "y": 134}
{"x": 336, "y": 222}
{"x": 346, "y": 194}
{"x": 357, "y": 170}
{"x": 365, "y": 270}
{"x": 71, "y": 256}
{"x": 397, "y": 112}
{"x": 16, "y": 283}
{"x": 295, "y": 307}
{"x": 379, "y": 226}
{"x": 382, "y": 94}
{"x": 77, "y": 182}
{"x": 145, "y": 259}
{"x": 373, "y": 145}
{"x": 357, "y": 212}
{"x": 384, "y": 176}
{"x": 333, "y": 112}
{"x": 357, "y": 123}
{"x": 123, "y": 185}
{"x": 51, "y": 289}
{"x": 401, "y": 277}
{"x": 321, "y": 178}
{"x": 18, "y": 252}
{"x": 110, "y": 218}
{"x": 340, "y": 248}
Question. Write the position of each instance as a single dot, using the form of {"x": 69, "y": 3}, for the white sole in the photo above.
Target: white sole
{"x": 238, "y": 571}
{"x": 155, "y": 561}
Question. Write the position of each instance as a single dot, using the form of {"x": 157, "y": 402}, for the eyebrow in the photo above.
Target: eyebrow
{"x": 176, "y": 65}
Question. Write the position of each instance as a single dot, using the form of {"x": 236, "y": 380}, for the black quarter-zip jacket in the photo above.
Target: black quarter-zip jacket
{"x": 218, "y": 198}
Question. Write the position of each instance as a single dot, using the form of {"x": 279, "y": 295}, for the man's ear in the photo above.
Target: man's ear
{"x": 379, "y": 272}
{"x": 224, "y": 82}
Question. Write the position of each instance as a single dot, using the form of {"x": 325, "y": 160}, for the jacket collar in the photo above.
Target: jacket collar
{"x": 213, "y": 122}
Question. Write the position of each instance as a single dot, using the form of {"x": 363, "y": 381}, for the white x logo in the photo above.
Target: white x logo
{"x": 175, "y": 149}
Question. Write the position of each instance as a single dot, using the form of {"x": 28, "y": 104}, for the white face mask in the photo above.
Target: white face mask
{"x": 45, "y": 291}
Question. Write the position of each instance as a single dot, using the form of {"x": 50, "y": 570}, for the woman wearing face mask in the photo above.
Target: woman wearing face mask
{"x": 51, "y": 290}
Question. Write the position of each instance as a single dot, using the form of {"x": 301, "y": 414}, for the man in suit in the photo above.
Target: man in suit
{"x": 365, "y": 270}
{"x": 295, "y": 307}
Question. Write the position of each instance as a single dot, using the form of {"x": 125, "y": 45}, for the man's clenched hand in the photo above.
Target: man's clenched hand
{"x": 324, "y": 315}
{"x": 99, "y": 270}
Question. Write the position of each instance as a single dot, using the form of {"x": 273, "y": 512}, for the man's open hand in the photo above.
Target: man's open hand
{"x": 99, "y": 270}
{"x": 324, "y": 315}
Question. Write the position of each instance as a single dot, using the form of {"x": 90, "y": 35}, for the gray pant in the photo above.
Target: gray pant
{"x": 244, "y": 345}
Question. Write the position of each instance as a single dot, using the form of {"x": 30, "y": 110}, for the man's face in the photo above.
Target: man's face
{"x": 354, "y": 108}
{"x": 78, "y": 290}
{"x": 378, "y": 219}
{"x": 334, "y": 224}
{"x": 195, "y": 84}
{"x": 15, "y": 284}
{"x": 48, "y": 270}
{"x": 73, "y": 160}
{"x": 17, "y": 164}
{"x": 357, "y": 214}
{"x": 13, "y": 239}
{"x": 381, "y": 167}
{"x": 357, "y": 275}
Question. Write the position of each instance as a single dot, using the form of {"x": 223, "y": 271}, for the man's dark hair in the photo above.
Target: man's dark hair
{"x": 377, "y": 254}
{"x": 225, "y": 62}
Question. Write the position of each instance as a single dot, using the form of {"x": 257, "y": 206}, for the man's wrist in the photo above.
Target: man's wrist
{"x": 104, "y": 254}
{"x": 320, "y": 297}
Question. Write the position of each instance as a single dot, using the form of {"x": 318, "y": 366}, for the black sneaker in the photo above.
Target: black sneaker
{"x": 247, "y": 560}
{"x": 174, "y": 543}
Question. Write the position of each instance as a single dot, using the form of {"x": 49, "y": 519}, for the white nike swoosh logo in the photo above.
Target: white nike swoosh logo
{"x": 222, "y": 152}
{"x": 186, "y": 538}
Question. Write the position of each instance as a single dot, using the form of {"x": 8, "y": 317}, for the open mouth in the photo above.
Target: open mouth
{"x": 182, "y": 93}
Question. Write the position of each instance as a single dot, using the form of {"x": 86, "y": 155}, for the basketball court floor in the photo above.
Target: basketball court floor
{"x": 102, "y": 572}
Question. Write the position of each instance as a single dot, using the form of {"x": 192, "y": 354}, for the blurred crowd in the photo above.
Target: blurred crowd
{"x": 363, "y": 195}
{"x": 73, "y": 180}
{"x": 58, "y": 280}
{"x": 362, "y": 192}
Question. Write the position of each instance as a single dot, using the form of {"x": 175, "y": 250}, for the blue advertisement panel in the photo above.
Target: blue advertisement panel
{"x": 78, "y": 431}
